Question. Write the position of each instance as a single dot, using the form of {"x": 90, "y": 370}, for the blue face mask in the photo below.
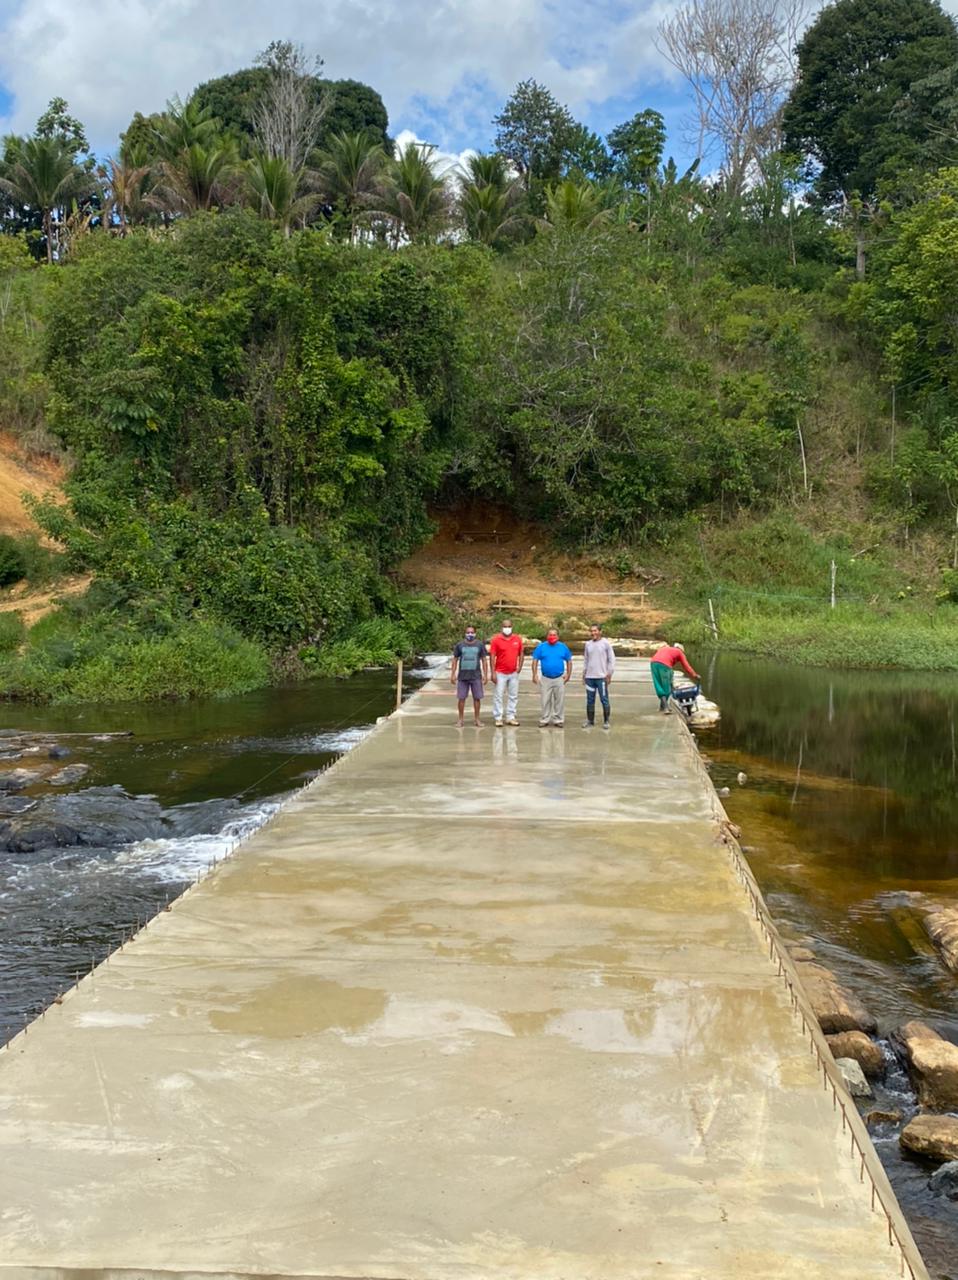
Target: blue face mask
{"x": 470, "y": 635}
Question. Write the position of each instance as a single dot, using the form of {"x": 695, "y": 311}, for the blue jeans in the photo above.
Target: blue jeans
{"x": 596, "y": 685}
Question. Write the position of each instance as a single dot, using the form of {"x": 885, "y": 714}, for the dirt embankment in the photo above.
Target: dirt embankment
{"x": 482, "y": 558}
{"x": 20, "y": 474}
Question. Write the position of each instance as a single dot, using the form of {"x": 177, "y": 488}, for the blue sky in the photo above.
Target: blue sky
{"x": 443, "y": 67}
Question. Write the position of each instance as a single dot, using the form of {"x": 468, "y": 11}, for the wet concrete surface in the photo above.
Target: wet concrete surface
{"x": 479, "y": 1003}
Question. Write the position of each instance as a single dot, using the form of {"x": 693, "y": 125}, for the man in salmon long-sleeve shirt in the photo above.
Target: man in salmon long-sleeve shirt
{"x": 663, "y": 669}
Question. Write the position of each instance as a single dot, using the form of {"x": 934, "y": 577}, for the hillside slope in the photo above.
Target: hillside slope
{"x": 19, "y": 474}
{"x": 483, "y": 559}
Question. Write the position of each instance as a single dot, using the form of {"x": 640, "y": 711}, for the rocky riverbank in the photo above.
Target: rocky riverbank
{"x": 928, "y": 1129}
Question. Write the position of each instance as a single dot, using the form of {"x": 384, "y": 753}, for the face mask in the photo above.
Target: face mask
{"x": 470, "y": 635}
{"x": 552, "y": 639}
{"x": 507, "y": 631}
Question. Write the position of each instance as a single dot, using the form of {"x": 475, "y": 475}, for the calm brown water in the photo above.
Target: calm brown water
{"x": 850, "y": 810}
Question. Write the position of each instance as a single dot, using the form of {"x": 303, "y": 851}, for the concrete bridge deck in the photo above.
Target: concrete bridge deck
{"x": 478, "y": 1005}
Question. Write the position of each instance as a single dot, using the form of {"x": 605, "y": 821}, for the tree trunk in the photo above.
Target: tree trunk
{"x": 860, "y": 256}
{"x": 48, "y": 233}
{"x": 801, "y": 445}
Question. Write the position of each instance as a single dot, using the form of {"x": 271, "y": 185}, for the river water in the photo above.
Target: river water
{"x": 849, "y": 813}
{"x": 175, "y": 795}
{"x": 850, "y": 809}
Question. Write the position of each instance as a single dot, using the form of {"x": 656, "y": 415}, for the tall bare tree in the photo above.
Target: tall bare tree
{"x": 288, "y": 116}
{"x": 738, "y": 57}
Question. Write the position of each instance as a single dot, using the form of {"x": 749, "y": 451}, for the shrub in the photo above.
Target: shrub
{"x": 13, "y": 565}
{"x": 948, "y": 592}
{"x": 199, "y": 660}
{"x": 68, "y": 659}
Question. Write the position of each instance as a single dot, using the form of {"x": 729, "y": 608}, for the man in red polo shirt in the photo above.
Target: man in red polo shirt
{"x": 506, "y": 656}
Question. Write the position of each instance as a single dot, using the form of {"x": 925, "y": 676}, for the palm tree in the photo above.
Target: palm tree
{"x": 44, "y": 176}
{"x": 413, "y": 195}
{"x": 199, "y": 177}
{"x": 488, "y": 197}
{"x": 276, "y": 191}
{"x": 348, "y": 176}
{"x": 576, "y": 206}
{"x": 197, "y": 164}
{"x": 126, "y": 183}
{"x": 183, "y": 126}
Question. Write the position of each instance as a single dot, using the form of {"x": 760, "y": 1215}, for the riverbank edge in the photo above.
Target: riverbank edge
{"x": 861, "y": 1148}
{"x": 847, "y": 638}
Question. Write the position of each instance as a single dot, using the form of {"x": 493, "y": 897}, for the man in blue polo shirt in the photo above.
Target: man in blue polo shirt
{"x": 554, "y": 659}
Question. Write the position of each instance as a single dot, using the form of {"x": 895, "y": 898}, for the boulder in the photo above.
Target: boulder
{"x": 71, "y": 773}
{"x": 941, "y": 925}
{"x": 57, "y": 752}
{"x": 704, "y": 713}
{"x": 877, "y": 1117}
{"x": 17, "y": 779}
{"x": 864, "y": 1050}
{"x": 932, "y": 1063}
{"x": 835, "y": 1008}
{"x": 31, "y": 839}
{"x": 853, "y": 1078}
{"x": 944, "y": 1181}
{"x": 933, "y": 1136}
{"x": 11, "y": 805}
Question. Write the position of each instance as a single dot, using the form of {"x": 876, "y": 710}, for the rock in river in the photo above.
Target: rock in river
{"x": 72, "y": 773}
{"x": 835, "y": 1008}
{"x": 855, "y": 1044}
{"x": 853, "y": 1078}
{"x": 932, "y": 1136}
{"x": 876, "y": 1118}
{"x": 17, "y": 779}
{"x": 932, "y": 1064}
{"x": 944, "y": 1181}
{"x": 941, "y": 925}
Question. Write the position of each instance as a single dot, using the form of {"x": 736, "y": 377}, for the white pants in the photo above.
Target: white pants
{"x": 510, "y": 683}
{"x": 552, "y": 693}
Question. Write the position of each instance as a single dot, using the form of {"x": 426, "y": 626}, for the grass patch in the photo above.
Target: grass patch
{"x": 850, "y": 635}
{"x": 12, "y": 631}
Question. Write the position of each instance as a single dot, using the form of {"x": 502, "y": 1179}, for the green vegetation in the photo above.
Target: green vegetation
{"x": 70, "y": 658}
{"x": 266, "y": 342}
{"x": 850, "y": 635}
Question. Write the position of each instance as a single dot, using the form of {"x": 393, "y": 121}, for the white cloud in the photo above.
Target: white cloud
{"x": 451, "y": 60}
{"x": 445, "y": 162}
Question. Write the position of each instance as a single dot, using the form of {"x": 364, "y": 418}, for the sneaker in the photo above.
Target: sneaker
{"x": 498, "y": 724}
{"x": 606, "y": 724}
{"x": 543, "y": 724}
{"x": 588, "y": 724}
{"x": 513, "y": 723}
{"x": 558, "y": 724}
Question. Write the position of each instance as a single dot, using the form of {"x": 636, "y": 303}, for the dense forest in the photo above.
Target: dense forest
{"x": 267, "y": 341}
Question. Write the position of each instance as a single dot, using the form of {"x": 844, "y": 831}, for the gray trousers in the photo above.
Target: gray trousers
{"x": 552, "y": 694}
{"x": 510, "y": 685}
